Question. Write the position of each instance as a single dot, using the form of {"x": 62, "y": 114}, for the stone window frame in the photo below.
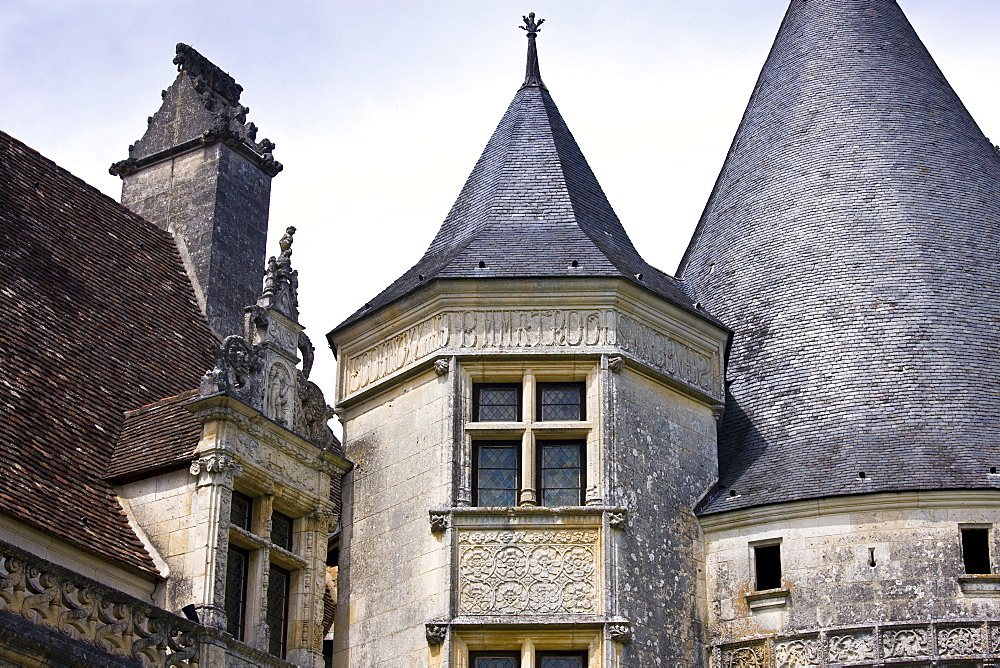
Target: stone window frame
{"x": 765, "y": 599}
{"x": 979, "y": 584}
{"x": 263, "y": 552}
{"x": 529, "y": 641}
{"x": 529, "y": 430}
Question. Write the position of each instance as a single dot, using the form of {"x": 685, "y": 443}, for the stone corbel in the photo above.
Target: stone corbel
{"x": 619, "y": 631}
{"x": 436, "y": 633}
{"x": 218, "y": 469}
{"x": 440, "y": 520}
{"x": 441, "y": 367}
{"x": 618, "y": 519}
{"x": 616, "y": 363}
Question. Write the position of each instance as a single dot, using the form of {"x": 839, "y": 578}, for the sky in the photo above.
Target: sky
{"x": 379, "y": 109}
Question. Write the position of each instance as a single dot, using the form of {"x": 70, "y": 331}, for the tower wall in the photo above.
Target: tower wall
{"x": 394, "y": 572}
{"x": 662, "y": 462}
{"x": 868, "y": 577}
{"x": 214, "y": 201}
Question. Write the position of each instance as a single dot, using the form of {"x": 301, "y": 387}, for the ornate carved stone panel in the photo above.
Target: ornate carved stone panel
{"x": 798, "y": 653}
{"x": 906, "y": 643}
{"x": 529, "y": 571}
{"x": 961, "y": 640}
{"x": 847, "y": 647}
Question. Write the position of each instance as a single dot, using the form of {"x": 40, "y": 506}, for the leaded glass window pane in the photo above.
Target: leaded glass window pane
{"x": 496, "y": 474}
{"x": 241, "y": 513}
{"x": 490, "y": 660}
{"x": 561, "y": 401}
{"x": 236, "y": 590}
{"x": 561, "y": 473}
{"x": 281, "y": 530}
{"x": 278, "y": 586}
{"x": 497, "y": 402}
{"x": 562, "y": 661}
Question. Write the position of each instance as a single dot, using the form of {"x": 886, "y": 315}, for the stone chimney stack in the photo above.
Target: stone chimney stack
{"x": 200, "y": 174}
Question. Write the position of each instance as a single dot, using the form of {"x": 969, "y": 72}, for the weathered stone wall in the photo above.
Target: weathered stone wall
{"x": 215, "y": 203}
{"x": 166, "y": 507}
{"x": 826, "y": 555}
{"x": 662, "y": 461}
{"x": 395, "y": 573}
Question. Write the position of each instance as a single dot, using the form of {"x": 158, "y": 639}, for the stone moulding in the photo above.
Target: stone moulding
{"x": 977, "y": 641}
{"x": 70, "y": 604}
{"x": 535, "y": 331}
{"x": 768, "y": 599}
{"x": 980, "y": 585}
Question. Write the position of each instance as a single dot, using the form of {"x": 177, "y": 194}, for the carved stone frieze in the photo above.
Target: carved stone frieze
{"x": 744, "y": 657}
{"x": 529, "y": 571}
{"x": 961, "y": 640}
{"x": 801, "y": 653}
{"x": 555, "y": 329}
{"x": 851, "y": 647}
{"x": 932, "y": 643}
{"x": 84, "y": 610}
{"x": 906, "y": 643}
{"x": 279, "y": 464}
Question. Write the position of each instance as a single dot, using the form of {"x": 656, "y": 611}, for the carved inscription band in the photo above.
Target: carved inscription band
{"x": 548, "y": 328}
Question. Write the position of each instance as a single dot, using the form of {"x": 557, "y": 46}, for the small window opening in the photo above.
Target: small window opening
{"x": 575, "y": 263}
{"x": 976, "y": 551}
{"x": 482, "y": 265}
{"x": 767, "y": 563}
{"x": 871, "y": 557}
{"x": 562, "y": 401}
{"x": 496, "y": 402}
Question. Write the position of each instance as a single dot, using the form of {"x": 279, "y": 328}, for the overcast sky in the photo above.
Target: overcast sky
{"x": 379, "y": 109}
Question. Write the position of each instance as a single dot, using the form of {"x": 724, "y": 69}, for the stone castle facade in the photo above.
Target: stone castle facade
{"x": 555, "y": 455}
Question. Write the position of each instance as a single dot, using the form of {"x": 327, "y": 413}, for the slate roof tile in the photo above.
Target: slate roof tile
{"x": 851, "y": 243}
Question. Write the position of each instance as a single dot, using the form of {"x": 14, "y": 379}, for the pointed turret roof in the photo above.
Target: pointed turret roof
{"x": 851, "y": 242}
{"x": 532, "y": 207}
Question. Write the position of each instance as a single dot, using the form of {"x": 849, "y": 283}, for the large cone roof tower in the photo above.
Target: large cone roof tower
{"x": 532, "y": 207}
{"x": 851, "y": 242}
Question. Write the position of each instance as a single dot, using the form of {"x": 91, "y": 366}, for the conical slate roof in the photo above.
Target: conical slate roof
{"x": 532, "y": 207}
{"x": 851, "y": 242}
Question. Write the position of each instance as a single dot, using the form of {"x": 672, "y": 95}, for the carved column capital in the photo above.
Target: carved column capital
{"x": 215, "y": 469}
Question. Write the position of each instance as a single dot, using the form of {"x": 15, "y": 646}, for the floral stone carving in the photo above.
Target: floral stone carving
{"x": 511, "y": 572}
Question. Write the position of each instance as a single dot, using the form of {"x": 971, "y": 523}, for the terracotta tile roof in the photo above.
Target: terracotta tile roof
{"x": 159, "y": 436}
{"x": 99, "y": 318}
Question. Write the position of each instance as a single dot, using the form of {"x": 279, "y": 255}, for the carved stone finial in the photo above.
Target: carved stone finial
{"x": 532, "y": 75}
{"x": 441, "y": 367}
{"x": 281, "y": 282}
{"x": 440, "y": 520}
{"x": 616, "y": 363}
{"x": 530, "y": 25}
{"x": 436, "y": 633}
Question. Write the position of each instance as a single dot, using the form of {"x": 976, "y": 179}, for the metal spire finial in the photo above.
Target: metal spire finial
{"x": 532, "y": 76}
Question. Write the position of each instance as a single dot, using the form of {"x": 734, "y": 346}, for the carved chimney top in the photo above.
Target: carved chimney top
{"x": 532, "y": 76}
{"x": 202, "y": 106}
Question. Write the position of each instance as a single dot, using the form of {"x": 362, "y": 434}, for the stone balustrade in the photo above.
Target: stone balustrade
{"x": 63, "y": 602}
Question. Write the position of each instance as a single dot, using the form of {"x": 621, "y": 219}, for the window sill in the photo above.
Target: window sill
{"x": 568, "y": 427}
{"x": 499, "y": 428}
{"x": 768, "y": 599}
{"x": 981, "y": 585}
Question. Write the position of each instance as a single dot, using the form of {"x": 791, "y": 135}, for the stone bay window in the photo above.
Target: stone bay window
{"x": 520, "y": 405}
